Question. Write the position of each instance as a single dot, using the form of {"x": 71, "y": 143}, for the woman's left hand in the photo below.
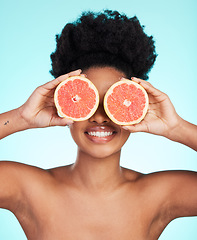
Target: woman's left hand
{"x": 161, "y": 117}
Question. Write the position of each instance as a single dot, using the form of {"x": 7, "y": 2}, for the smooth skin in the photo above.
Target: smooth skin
{"x": 96, "y": 198}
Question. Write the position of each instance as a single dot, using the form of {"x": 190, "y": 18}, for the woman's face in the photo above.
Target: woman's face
{"x": 98, "y": 136}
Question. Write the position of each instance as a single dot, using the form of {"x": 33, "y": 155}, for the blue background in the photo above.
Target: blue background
{"x": 28, "y": 30}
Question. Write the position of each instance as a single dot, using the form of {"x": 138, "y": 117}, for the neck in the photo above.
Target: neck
{"x": 97, "y": 174}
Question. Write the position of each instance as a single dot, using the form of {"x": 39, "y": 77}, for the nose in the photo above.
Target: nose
{"x": 99, "y": 116}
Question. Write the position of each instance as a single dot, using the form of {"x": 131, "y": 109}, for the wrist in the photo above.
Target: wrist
{"x": 175, "y": 131}
{"x": 23, "y": 115}
{"x": 185, "y": 133}
{"x": 11, "y": 122}
{"x": 22, "y": 121}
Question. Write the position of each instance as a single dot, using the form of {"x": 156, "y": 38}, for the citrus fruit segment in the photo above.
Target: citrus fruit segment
{"x": 126, "y": 102}
{"x": 76, "y": 98}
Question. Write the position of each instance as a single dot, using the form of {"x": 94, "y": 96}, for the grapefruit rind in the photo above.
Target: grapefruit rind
{"x": 90, "y": 85}
{"x": 110, "y": 91}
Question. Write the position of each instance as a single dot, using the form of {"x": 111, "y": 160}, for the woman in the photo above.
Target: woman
{"x": 96, "y": 198}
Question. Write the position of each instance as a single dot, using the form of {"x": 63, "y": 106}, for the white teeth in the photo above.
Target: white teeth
{"x": 100, "y": 134}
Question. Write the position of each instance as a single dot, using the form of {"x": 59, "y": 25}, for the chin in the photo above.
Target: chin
{"x": 102, "y": 153}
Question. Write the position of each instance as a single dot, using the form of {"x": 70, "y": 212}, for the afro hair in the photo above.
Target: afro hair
{"x": 106, "y": 38}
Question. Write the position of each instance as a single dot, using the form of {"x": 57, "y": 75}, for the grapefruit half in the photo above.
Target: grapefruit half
{"x": 76, "y": 98}
{"x": 126, "y": 102}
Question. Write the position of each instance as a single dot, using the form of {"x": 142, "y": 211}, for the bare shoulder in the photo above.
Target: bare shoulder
{"x": 16, "y": 178}
{"x": 131, "y": 175}
{"x": 170, "y": 178}
{"x": 180, "y": 189}
{"x": 167, "y": 194}
{"x": 164, "y": 180}
{"x": 20, "y": 170}
{"x": 165, "y": 183}
{"x": 174, "y": 193}
{"x": 28, "y": 172}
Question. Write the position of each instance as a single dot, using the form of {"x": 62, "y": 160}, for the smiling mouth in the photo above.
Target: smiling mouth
{"x": 100, "y": 134}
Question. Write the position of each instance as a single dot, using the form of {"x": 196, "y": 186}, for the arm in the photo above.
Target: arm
{"x": 17, "y": 180}
{"x": 162, "y": 119}
{"x": 183, "y": 197}
{"x": 37, "y": 112}
{"x": 185, "y": 133}
{"x": 177, "y": 193}
{"x": 10, "y": 185}
{"x": 11, "y": 122}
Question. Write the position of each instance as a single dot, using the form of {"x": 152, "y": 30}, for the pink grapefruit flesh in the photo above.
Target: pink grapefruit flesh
{"x": 126, "y": 102}
{"x": 76, "y": 98}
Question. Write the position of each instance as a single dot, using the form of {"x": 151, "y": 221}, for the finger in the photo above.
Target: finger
{"x": 83, "y": 75}
{"x": 58, "y": 121}
{"x": 70, "y": 74}
{"x": 52, "y": 84}
{"x": 148, "y": 87}
{"x": 135, "y": 128}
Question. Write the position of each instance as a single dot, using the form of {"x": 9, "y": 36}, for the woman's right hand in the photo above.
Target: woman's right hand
{"x": 39, "y": 110}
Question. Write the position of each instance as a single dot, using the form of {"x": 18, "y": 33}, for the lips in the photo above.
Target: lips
{"x": 100, "y": 134}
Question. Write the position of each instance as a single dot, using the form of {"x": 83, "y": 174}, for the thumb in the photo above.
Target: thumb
{"x": 136, "y": 128}
{"x": 58, "y": 121}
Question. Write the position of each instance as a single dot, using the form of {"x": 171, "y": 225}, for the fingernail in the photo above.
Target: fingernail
{"x": 122, "y": 78}
{"x": 85, "y": 75}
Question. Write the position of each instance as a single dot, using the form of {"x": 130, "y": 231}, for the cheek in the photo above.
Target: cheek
{"x": 124, "y": 136}
{"x": 74, "y": 130}
{"x": 77, "y": 132}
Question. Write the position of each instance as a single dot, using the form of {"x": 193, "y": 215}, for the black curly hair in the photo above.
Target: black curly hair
{"x": 101, "y": 39}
